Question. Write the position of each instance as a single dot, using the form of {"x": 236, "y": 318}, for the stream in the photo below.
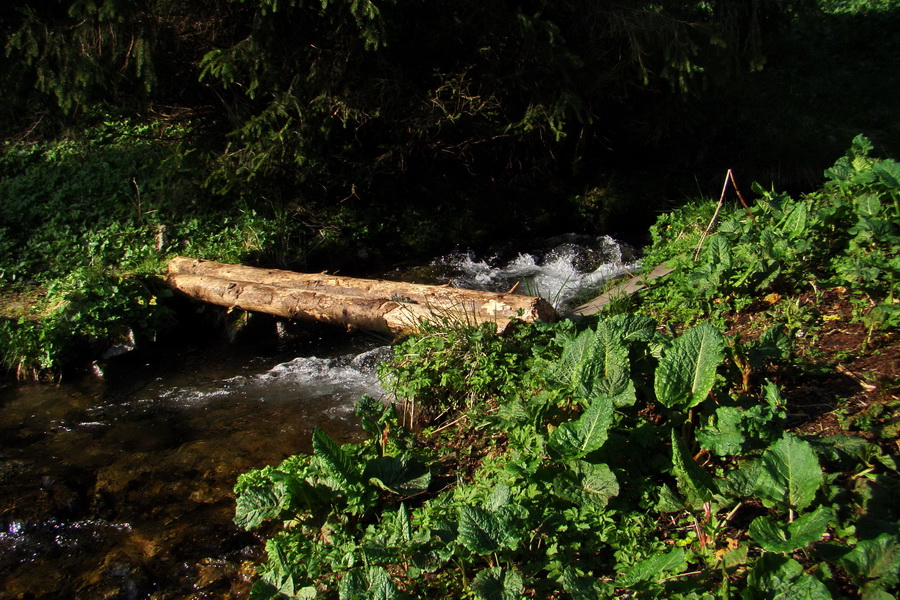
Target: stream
{"x": 120, "y": 486}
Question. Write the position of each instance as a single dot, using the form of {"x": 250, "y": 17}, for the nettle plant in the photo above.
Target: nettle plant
{"x": 635, "y": 465}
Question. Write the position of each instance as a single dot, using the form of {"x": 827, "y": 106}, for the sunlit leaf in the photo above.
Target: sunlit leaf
{"x": 653, "y": 566}
{"x": 372, "y": 583}
{"x": 876, "y": 560}
{"x": 776, "y": 577}
{"x": 576, "y": 438}
{"x": 333, "y": 458}
{"x": 483, "y": 532}
{"x": 687, "y": 371}
{"x": 496, "y": 583}
{"x": 776, "y": 537}
{"x": 402, "y": 475}
{"x": 789, "y": 474}
{"x": 724, "y": 436}
{"x": 694, "y": 483}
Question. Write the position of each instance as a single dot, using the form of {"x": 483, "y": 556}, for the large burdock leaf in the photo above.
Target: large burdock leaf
{"x": 726, "y": 436}
{"x": 402, "y": 475}
{"x": 586, "y": 484}
{"x": 256, "y": 504}
{"x": 284, "y": 493}
{"x": 693, "y": 482}
{"x": 652, "y": 567}
{"x": 497, "y": 583}
{"x": 687, "y": 371}
{"x": 874, "y": 563}
{"x": 483, "y": 532}
{"x": 333, "y": 459}
{"x": 776, "y": 577}
{"x": 574, "y": 439}
{"x": 596, "y": 361}
{"x": 789, "y": 475}
{"x": 372, "y": 583}
{"x": 775, "y": 537}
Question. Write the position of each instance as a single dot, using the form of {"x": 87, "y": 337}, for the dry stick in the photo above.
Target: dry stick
{"x": 729, "y": 176}
{"x": 737, "y": 190}
{"x": 713, "y": 220}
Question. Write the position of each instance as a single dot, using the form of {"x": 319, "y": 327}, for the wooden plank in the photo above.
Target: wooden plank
{"x": 625, "y": 288}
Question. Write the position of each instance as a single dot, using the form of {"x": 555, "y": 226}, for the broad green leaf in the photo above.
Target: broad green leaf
{"x": 575, "y": 365}
{"x": 632, "y": 327}
{"x": 372, "y": 583}
{"x": 284, "y": 492}
{"x": 694, "y": 483}
{"x": 794, "y": 224}
{"x": 333, "y": 458}
{"x": 483, "y": 532}
{"x": 740, "y": 482}
{"x": 499, "y": 497}
{"x": 256, "y": 504}
{"x": 776, "y": 577}
{"x": 596, "y": 361}
{"x": 687, "y": 371}
{"x": 773, "y": 344}
{"x": 401, "y": 475}
{"x": 496, "y": 583}
{"x": 669, "y": 501}
{"x": 888, "y": 171}
{"x": 611, "y": 369}
{"x": 403, "y": 524}
{"x": 875, "y": 560}
{"x": 807, "y": 529}
{"x": 789, "y": 474}
{"x": 585, "y": 483}
{"x": 718, "y": 253}
{"x": 724, "y": 436}
{"x": 282, "y": 572}
{"x": 583, "y": 588}
{"x": 574, "y": 439}
{"x": 597, "y": 482}
{"x": 652, "y": 567}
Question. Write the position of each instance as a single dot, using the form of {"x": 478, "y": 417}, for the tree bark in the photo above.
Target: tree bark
{"x": 377, "y": 305}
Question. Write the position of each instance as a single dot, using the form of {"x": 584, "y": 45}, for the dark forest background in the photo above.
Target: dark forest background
{"x": 410, "y": 125}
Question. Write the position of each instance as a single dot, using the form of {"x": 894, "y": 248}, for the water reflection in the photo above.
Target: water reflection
{"x": 121, "y": 488}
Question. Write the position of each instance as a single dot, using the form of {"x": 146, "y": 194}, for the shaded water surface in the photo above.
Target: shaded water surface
{"x": 121, "y": 487}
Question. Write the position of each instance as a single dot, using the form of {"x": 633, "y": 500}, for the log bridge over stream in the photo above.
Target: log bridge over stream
{"x": 389, "y": 307}
{"x": 376, "y": 305}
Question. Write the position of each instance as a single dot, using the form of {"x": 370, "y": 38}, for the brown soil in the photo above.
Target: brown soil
{"x": 848, "y": 380}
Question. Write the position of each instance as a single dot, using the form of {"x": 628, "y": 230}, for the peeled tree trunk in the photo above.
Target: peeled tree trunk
{"x": 376, "y": 305}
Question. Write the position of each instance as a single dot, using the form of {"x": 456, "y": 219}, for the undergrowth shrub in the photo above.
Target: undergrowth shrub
{"x": 617, "y": 458}
{"x": 668, "y": 479}
{"x": 845, "y": 234}
{"x": 87, "y": 222}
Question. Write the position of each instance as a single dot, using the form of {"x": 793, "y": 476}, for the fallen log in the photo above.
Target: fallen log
{"x": 377, "y": 305}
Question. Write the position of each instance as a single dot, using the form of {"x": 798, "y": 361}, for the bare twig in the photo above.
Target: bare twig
{"x": 714, "y": 217}
{"x": 729, "y": 176}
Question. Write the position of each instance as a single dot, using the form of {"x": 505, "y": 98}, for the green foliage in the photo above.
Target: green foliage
{"x": 87, "y": 224}
{"x": 845, "y": 234}
{"x": 593, "y": 496}
{"x": 687, "y": 371}
{"x": 789, "y": 474}
{"x": 806, "y": 530}
{"x": 449, "y": 366}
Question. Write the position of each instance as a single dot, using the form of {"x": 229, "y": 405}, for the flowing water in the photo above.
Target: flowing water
{"x": 120, "y": 486}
